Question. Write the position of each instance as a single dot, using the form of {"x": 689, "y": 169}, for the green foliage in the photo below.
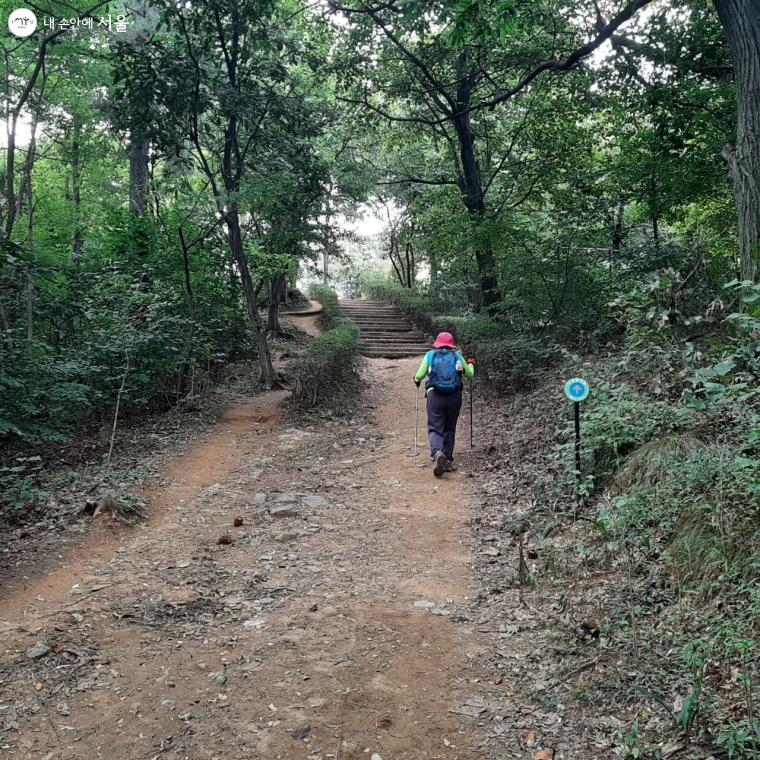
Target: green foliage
{"x": 735, "y": 377}
{"x": 330, "y": 309}
{"x": 706, "y": 509}
{"x": 516, "y": 362}
{"x": 617, "y": 419}
{"x": 328, "y": 370}
{"x": 109, "y": 330}
{"x": 327, "y": 373}
{"x": 741, "y": 741}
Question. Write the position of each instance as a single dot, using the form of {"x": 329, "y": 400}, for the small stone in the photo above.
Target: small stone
{"x": 285, "y": 537}
{"x": 423, "y": 604}
{"x": 225, "y": 539}
{"x": 315, "y": 501}
{"x": 313, "y": 608}
{"x": 63, "y": 709}
{"x": 40, "y": 649}
{"x": 375, "y": 756}
{"x": 254, "y": 623}
{"x": 284, "y": 511}
{"x": 237, "y": 522}
{"x": 288, "y": 498}
{"x": 302, "y": 732}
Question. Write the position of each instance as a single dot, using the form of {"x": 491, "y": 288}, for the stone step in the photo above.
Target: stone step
{"x": 388, "y": 353}
{"x": 393, "y": 341}
{"x": 355, "y": 302}
{"x": 370, "y": 319}
{"x": 368, "y": 331}
{"x": 372, "y": 315}
{"x": 368, "y": 307}
{"x": 395, "y": 327}
{"x": 401, "y": 346}
{"x": 383, "y": 314}
{"x": 399, "y": 338}
{"x": 389, "y": 310}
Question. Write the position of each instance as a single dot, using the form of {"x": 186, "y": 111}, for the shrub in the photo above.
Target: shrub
{"x": 328, "y": 368}
{"x": 330, "y": 308}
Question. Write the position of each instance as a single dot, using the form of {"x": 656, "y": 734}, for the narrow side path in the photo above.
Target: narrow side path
{"x": 327, "y": 628}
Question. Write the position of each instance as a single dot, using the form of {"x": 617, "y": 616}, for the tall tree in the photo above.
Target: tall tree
{"x": 448, "y": 78}
{"x": 741, "y": 23}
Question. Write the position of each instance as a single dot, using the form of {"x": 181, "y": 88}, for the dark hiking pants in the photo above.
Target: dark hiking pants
{"x": 442, "y": 413}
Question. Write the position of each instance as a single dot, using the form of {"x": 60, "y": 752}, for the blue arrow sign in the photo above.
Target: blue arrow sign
{"x": 576, "y": 389}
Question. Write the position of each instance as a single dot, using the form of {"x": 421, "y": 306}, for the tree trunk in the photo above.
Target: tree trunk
{"x": 273, "y": 314}
{"x": 7, "y": 329}
{"x": 186, "y": 271}
{"x": 410, "y": 268}
{"x": 25, "y": 188}
{"x": 741, "y": 23}
{"x": 10, "y": 170}
{"x": 29, "y": 309}
{"x": 617, "y": 230}
{"x": 138, "y": 172}
{"x": 471, "y": 187}
{"x": 76, "y": 185}
{"x": 259, "y": 336}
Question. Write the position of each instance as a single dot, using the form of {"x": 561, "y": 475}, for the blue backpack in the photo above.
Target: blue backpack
{"x": 443, "y": 375}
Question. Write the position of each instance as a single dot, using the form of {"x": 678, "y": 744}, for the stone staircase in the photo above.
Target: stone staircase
{"x": 384, "y": 331}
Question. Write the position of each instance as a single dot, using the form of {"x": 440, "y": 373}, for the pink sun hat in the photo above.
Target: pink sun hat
{"x": 444, "y": 340}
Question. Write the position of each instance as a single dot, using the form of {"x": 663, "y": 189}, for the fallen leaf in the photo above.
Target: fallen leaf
{"x": 39, "y": 686}
{"x": 544, "y": 754}
{"x": 671, "y": 748}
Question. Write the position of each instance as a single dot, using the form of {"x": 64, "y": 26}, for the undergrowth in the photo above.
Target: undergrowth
{"x": 327, "y": 371}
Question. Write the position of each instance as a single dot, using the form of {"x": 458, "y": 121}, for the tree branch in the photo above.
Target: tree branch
{"x": 568, "y": 63}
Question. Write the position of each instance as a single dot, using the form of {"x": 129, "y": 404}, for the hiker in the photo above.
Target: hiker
{"x": 444, "y": 367}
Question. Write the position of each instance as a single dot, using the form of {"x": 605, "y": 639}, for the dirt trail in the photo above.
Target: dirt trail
{"x": 299, "y": 640}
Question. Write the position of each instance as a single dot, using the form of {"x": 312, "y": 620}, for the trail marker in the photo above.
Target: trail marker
{"x": 577, "y": 390}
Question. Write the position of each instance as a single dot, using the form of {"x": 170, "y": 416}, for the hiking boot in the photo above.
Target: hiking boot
{"x": 450, "y": 466}
{"x": 439, "y": 464}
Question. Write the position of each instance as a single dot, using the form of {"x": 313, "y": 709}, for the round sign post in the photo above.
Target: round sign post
{"x": 577, "y": 390}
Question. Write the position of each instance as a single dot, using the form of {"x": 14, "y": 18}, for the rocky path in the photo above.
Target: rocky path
{"x": 328, "y": 625}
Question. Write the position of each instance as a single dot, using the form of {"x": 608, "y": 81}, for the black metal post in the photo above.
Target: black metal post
{"x": 578, "y": 449}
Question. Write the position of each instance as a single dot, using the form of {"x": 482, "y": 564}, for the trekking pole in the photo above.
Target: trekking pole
{"x": 471, "y": 435}
{"x": 416, "y": 417}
